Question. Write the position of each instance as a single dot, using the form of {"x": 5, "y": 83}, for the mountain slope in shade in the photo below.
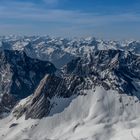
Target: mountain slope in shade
{"x": 19, "y": 76}
{"x": 102, "y": 69}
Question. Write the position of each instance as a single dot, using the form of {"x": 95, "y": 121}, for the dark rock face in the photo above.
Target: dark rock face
{"x": 19, "y": 76}
{"x": 13, "y": 125}
{"x": 22, "y": 76}
{"x": 39, "y": 105}
{"x": 112, "y": 69}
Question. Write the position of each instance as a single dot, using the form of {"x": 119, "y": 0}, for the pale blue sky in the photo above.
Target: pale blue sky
{"x": 117, "y": 19}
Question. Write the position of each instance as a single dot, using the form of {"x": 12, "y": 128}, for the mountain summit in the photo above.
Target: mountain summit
{"x": 94, "y": 93}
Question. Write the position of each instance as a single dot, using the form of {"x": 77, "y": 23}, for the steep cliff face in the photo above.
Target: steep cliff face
{"x": 111, "y": 69}
{"x": 116, "y": 69}
{"x": 39, "y": 105}
{"x": 19, "y": 77}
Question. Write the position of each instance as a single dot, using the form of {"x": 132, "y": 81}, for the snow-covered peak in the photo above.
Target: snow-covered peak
{"x": 46, "y": 47}
{"x": 94, "y": 96}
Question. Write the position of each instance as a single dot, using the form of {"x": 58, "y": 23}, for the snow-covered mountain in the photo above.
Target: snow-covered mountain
{"x": 61, "y": 50}
{"x": 19, "y": 77}
{"x": 95, "y": 95}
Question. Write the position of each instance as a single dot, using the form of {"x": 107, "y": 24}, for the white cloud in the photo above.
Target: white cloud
{"x": 32, "y": 12}
{"x": 28, "y": 17}
{"x": 51, "y": 1}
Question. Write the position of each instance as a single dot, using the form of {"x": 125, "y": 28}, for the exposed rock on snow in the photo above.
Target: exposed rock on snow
{"x": 19, "y": 77}
{"x": 104, "y": 68}
{"x": 60, "y": 51}
{"x": 94, "y": 96}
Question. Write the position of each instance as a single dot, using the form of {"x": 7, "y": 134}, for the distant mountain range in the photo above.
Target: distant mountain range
{"x": 69, "y": 89}
{"x": 61, "y": 50}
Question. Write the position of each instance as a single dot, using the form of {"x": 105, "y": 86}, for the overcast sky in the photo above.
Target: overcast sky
{"x": 109, "y": 19}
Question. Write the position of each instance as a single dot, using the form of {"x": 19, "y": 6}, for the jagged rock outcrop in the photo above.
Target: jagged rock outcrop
{"x": 111, "y": 69}
{"x": 39, "y": 105}
{"x": 19, "y": 77}
{"x": 114, "y": 68}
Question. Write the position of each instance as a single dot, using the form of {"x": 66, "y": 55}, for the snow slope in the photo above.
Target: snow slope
{"x": 100, "y": 115}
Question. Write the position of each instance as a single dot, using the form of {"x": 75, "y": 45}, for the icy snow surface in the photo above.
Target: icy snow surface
{"x": 100, "y": 115}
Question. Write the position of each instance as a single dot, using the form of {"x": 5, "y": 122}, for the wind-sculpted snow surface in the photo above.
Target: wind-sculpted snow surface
{"x": 100, "y": 115}
{"x": 95, "y": 96}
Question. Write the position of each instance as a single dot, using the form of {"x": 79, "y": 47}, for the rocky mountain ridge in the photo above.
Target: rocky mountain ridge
{"x": 94, "y": 95}
{"x": 19, "y": 77}
{"x": 110, "y": 69}
{"x": 60, "y": 51}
